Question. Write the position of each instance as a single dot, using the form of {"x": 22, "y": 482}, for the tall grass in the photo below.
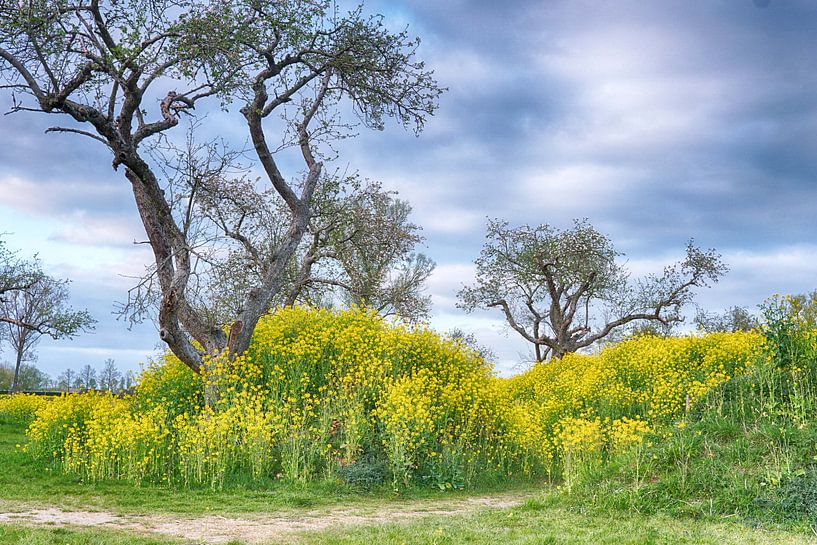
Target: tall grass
{"x": 747, "y": 449}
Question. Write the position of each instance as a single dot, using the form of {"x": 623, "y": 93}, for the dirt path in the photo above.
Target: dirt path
{"x": 261, "y": 528}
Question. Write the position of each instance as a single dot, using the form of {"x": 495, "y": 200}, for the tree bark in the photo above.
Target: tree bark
{"x": 15, "y": 383}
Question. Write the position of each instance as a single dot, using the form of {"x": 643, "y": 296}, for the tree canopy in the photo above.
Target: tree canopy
{"x": 563, "y": 289}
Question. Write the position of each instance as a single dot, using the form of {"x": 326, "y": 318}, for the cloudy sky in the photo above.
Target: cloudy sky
{"x": 657, "y": 121}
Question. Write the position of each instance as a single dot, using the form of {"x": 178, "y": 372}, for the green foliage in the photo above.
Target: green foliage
{"x": 30, "y": 378}
{"x": 790, "y": 325}
{"x": 367, "y": 472}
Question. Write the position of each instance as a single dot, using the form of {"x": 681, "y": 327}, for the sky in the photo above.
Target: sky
{"x": 657, "y": 121}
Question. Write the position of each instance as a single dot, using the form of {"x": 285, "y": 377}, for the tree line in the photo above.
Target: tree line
{"x": 29, "y": 378}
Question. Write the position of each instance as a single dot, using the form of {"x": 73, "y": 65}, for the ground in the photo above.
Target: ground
{"x": 40, "y": 509}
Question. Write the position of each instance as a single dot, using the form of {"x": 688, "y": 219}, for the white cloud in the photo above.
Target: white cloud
{"x": 576, "y": 187}
{"x": 444, "y": 283}
{"x": 47, "y": 197}
{"x": 85, "y": 230}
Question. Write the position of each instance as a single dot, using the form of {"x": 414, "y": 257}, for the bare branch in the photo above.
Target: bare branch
{"x": 78, "y": 131}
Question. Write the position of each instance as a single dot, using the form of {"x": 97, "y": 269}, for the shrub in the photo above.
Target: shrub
{"x": 589, "y": 406}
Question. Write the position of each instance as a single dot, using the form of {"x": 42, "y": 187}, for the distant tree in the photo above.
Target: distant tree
{"x": 125, "y": 71}
{"x": 86, "y": 378}
{"x": 110, "y": 377}
{"x": 36, "y": 310}
{"x": 29, "y": 377}
{"x": 563, "y": 290}
{"x": 470, "y": 341}
{"x": 128, "y": 381}
{"x": 66, "y": 380}
{"x": 6, "y": 376}
{"x": 733, "y": 319}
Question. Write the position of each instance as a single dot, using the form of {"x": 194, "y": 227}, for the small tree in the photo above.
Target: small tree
{"x": 563, "y": 290}
{"x": 15, "y": 274}
{"x": 733, "y": 319}
{"x": 360, "y": 248}
{"x": 86, "y": 378}
{"x": 110, "y": 377}
{"x": 28, "y": 377}
{"x": 66, "y": 380}
{"x": 39, "y": 309}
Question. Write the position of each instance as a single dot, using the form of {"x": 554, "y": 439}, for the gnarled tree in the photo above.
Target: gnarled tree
{"x": 125, "y": 71}
{"x": 563, "y": 290}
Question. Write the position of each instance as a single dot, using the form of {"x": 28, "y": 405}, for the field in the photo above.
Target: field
{"x": 700, "y": 439}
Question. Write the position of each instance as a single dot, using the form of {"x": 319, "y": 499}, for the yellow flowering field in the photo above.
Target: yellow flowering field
{"x": 587, "y": 406}
{"x": 326, "y": 394}
{"x": 21, "y": 407}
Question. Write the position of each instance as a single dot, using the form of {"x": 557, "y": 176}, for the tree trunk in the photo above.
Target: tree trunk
{"x": 15, "y": 383}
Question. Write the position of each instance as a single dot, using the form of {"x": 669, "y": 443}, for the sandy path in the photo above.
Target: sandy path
{"x": 261, "y": 528}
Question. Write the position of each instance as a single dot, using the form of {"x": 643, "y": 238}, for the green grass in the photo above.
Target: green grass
{"x": 534, "y": 522}
{"x": 748, "y": 452}
{"x": 21, "y": 535}
{"x": 541, "y": 524}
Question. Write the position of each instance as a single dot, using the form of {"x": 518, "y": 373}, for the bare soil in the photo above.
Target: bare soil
{"x": 257, "y": 528}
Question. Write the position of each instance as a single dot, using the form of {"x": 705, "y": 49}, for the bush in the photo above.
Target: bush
{"x": 367, "y": 472}
{"x": 587, "y": 407}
